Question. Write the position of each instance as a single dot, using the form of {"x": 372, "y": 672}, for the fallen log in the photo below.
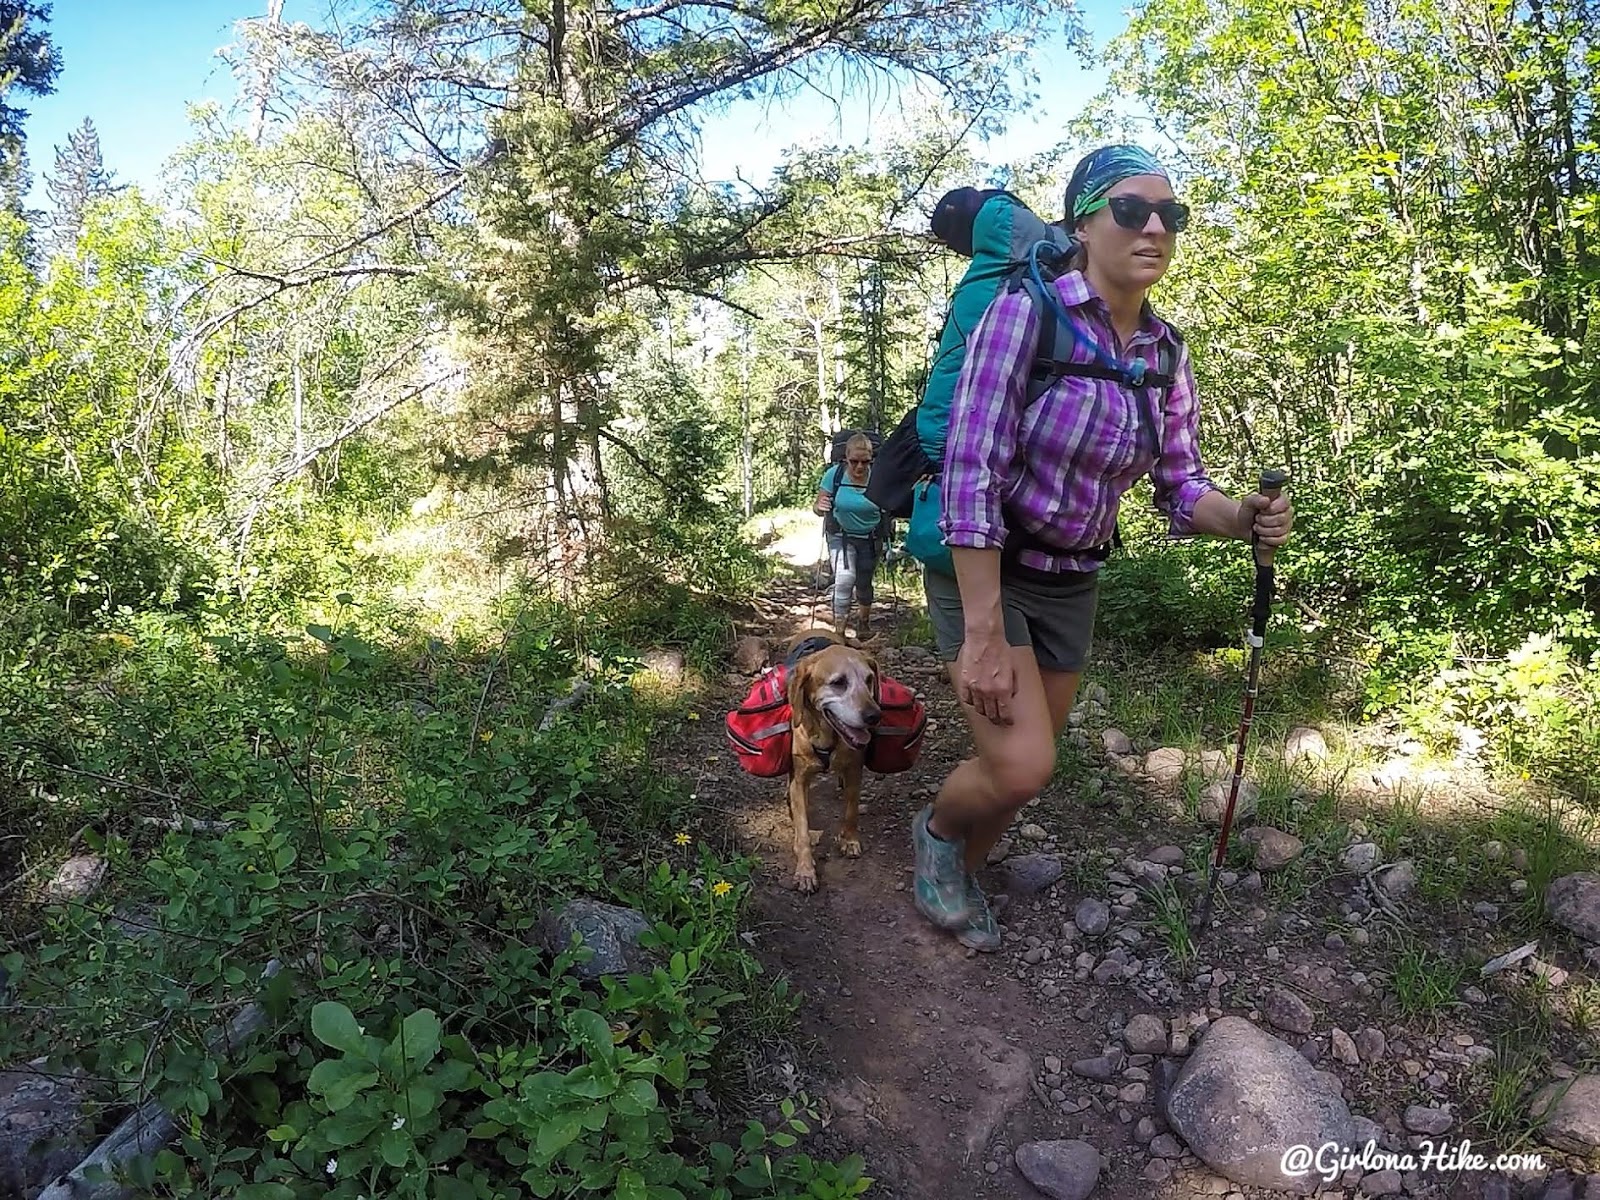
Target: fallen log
{"x": 575, "y": 694}
{"x": 149, "y": 1127}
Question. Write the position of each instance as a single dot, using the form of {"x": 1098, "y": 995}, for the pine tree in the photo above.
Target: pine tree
{"x": 80, "y": 178}
{"x": 29, "y": 62}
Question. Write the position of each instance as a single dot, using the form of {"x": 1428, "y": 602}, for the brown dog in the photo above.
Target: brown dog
{"x": 833, "y": 695}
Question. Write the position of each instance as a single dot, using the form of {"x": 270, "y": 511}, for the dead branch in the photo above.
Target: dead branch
{"x": 311, "y": 272}
{"x": 451, "y": 186}
{"x": 798, "y": 48}
{"x": 183, "y": 823}
{"x": 350, "y": 428}
{"x": 575, "y": 694}
{"x": 150, "y": 1127}
{"x": 648, "y": 12}
{"x": 638, "y": 459}
{"x": 285, "y": 283}
{"x": 112, "y": 781}
{"x": 687, "y": 289}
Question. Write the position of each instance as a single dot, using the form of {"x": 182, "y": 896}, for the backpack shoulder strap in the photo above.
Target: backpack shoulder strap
{"x": 830, "y": 519}
{"x": 1168, "y": 354}
{"x": 1167, "y": 364}
{"x": 1040, "y": 376}
{"x": 1021, "y": 279}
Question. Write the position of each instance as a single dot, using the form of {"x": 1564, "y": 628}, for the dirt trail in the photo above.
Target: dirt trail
{"x": 937, "y": 1064}
{"x": 925, "y": 1054}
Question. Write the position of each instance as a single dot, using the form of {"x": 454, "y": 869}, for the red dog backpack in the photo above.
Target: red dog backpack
{"x": 897, "y": 741}
{"x": 761, "y": 736}
{"x": 758, "y": 730}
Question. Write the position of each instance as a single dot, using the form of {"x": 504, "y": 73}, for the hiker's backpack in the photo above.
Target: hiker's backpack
{"x": 761, "y": 735}
{"x": 1011, "y": 249}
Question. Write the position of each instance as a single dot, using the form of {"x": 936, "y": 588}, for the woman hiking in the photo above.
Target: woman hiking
{"x": 853, "y": 525}
{"x": 1015, "y": 624}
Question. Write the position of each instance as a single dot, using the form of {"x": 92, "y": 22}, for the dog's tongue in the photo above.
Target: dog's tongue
{"x": 856, "y": 737}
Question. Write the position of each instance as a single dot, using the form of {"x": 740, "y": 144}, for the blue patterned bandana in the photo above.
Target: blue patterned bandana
{"x": 1102, "y": 170}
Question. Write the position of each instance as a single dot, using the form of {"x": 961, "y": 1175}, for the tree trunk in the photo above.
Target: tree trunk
{"x": 266, "y": 69}
{"x": 299, "y": 409}
{"x": 601, "y": 480}
{"x": 825, "y": 420}
{"x": 838, "y": 348}
{"x": 747, "y": 442}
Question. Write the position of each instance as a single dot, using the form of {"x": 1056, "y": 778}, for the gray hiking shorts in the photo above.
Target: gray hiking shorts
{"x": 1054, "y": 614}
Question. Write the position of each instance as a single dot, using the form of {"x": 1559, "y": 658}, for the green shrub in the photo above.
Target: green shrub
{"x": 393, "y": 840}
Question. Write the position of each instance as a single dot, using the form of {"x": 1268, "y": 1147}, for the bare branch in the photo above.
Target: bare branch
{"x": 637, "y": 458}
{"x": 311, "y": 272}
{"x": 779, "y": 57}
{"x": 662, "y": 7}
{"x": 353, "y": 426}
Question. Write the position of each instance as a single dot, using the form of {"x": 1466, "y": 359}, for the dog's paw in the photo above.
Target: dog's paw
{"x": 805, "y": 880}
{"x": 850, "y": 847}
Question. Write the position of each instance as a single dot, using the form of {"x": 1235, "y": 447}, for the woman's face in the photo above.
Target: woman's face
{"x": 1131, "y": 259}
{"x": 858, "y": 462}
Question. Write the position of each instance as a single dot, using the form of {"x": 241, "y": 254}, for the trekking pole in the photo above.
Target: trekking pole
{"x": 1271, "y": 483}
{"x": 894, "y": 584}
{"x": 816, "y": 574}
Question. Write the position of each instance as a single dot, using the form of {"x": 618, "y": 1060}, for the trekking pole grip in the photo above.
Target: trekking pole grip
{"x": 1272, "y": 481}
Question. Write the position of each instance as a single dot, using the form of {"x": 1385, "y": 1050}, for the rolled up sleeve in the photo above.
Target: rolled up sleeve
{"x": 1179, "y": 477}
{"x": 980, "y": 461}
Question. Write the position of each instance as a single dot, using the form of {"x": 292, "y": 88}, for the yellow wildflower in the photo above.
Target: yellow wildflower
{"x": 682, "y": 839}
{"x": 721, "y": 887}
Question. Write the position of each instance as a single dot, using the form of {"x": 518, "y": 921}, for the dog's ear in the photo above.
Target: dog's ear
{"x": 871, "y": 660}
{"x": 799, "y": 682}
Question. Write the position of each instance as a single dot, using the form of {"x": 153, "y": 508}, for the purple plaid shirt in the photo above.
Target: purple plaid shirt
{"x": 1061, "y": 466}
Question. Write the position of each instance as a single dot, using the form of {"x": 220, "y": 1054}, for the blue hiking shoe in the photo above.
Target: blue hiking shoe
{"x": 940, "y": 889}
{"x": 982, "y": 931}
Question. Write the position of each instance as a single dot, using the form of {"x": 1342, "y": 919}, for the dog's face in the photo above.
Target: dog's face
{"x": 840, "y": 684}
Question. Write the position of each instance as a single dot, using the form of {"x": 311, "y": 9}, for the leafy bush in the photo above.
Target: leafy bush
{"x": 393, "y": 839}
{"x": 1157, "y": 594}
{"x": 1536, "y": 709}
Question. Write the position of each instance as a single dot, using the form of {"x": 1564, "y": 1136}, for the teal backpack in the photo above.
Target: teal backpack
{"x": 1010, "y": 248}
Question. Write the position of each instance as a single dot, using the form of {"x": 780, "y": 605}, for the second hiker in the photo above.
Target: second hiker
{"x": 854, "y": 527}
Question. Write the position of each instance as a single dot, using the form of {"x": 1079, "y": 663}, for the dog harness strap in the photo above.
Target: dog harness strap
{"x": 807, "y": 648}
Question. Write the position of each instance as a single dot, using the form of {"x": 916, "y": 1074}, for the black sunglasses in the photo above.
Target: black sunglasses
{"x": 1133, "y": 212}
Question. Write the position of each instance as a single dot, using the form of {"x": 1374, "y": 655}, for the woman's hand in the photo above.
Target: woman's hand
{"x": 986, "y": 678}
{"x": 824, "y": 504}
{"x": 1271, "y": 520}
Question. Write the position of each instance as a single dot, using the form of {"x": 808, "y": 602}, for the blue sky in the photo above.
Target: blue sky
{"x": 132, "y": 68}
